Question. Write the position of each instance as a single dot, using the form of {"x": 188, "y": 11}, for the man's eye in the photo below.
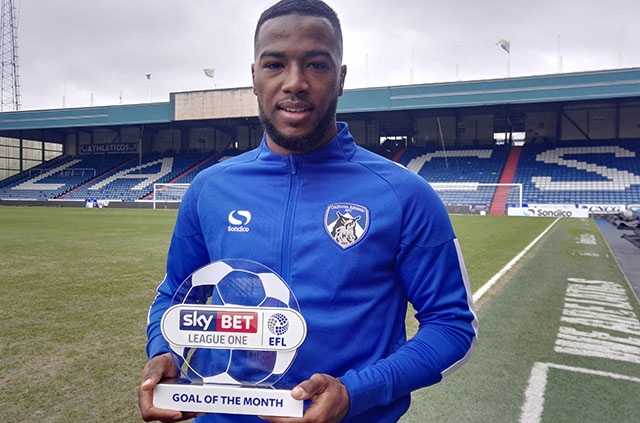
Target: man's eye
{"x": 317, "y": 66}
{"x": 274, "y": 65}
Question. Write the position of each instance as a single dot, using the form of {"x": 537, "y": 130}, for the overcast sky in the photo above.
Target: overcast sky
{"x": 76, "y": 53}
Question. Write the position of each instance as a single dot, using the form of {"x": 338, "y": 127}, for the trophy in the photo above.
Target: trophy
{"x": 234, "y": 328}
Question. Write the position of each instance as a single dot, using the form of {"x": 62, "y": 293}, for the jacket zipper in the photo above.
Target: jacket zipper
{"x": 287, "y": 234}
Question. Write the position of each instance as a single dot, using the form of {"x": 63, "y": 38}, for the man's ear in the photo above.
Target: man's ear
{"x": 253, "y": 77}
{"x": 343, "y": 75}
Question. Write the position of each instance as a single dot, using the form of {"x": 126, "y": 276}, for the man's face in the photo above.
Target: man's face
{"x": 297, "y": 77}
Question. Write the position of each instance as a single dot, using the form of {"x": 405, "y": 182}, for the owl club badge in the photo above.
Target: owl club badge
{"x": 234, "y": 328}
{"x": 346, "y": 223}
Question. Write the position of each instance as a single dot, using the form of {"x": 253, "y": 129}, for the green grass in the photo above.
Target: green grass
{"x": 76, "y": 286}
{"x": 490, "y": 242}
{"x": 519, "y": 326}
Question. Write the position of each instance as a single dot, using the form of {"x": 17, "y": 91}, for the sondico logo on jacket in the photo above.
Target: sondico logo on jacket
{"x": 239, "y": 221}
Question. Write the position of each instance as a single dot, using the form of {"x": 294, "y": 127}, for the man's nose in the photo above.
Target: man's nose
{"x": 295, "y": 80}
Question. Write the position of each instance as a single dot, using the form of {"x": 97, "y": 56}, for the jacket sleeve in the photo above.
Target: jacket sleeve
{"x": 435, "y": 280}
{"x": 187, "y": 253}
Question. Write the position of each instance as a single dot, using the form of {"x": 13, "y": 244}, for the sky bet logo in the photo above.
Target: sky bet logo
{"x": 225, "y": 327}
{"x": 219, "y": 321}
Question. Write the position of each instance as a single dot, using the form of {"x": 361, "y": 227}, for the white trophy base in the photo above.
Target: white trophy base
{"x": 229, "y": 399}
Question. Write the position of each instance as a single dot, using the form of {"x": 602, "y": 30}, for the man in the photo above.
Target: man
{"x": 353, "y": 286}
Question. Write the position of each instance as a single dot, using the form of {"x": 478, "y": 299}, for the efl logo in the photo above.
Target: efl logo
{"x": 219, "y": 321}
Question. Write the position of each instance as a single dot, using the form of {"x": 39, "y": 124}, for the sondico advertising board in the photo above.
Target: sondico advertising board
{"x": 548, "y": 210}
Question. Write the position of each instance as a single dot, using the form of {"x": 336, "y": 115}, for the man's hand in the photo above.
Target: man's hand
{"x": 329, "y": 401}
{"x": 158, "y": 368}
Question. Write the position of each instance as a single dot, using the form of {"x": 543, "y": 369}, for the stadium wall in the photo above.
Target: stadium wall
{"x": 218, "y": 104}
{"x": 601, "y": 121}
{"x": 82, "y": 204}
{"x": 476, "y": 129}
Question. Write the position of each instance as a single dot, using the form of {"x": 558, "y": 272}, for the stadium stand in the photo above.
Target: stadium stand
{"x": 601, "y": 109}
{"x": 501, "y": 196}
{"x": 577, "y": 172}
{"x": 455, "y": 173}
{"x": 580, "y": 173}
{"x": 134, "y": 179}
{"x": 112, "y": 177}
{"x": 56, "y": 177}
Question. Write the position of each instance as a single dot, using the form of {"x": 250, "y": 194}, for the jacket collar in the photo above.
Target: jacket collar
{"x": 341, "y": 147}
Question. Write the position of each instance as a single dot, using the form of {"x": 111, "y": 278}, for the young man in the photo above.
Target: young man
{"x": 355, "y": 364}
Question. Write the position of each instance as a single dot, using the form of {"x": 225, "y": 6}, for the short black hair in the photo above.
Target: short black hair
{"x": 305, "y": 8}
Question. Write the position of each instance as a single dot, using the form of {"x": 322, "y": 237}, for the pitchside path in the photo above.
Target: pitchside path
{"x": 559, "y": 341}
{"x": 627, "y": 254}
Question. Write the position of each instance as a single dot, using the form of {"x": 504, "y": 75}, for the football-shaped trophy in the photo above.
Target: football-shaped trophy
{"x": 234, "y": 328}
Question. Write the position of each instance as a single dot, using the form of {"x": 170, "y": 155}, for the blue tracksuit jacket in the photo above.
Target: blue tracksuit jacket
{"x": 356, "y": 237}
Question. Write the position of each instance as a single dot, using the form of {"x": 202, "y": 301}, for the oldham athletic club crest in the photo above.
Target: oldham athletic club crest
{"x": 346, "y": 223}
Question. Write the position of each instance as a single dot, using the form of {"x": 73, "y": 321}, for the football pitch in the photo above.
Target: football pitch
{"x": 559, "y": 331}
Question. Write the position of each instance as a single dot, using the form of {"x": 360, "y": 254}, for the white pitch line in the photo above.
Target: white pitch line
{"x": 533, "y": 405}
{"x": 611, "y": 375}
{"x": 484, "y": 288}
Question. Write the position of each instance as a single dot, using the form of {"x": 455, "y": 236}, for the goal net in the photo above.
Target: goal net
{"x": 480, "y": 195}
{"x": 168, "y": 193}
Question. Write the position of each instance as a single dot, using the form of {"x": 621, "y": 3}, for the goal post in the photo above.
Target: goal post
{"x": 474, "y": 193}
{"x": 168, "y": 193}
{"x": 451, "y": 193}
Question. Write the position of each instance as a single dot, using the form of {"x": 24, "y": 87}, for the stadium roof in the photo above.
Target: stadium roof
{"x": 534, "y": 91}
{"x": 522, "y": 90}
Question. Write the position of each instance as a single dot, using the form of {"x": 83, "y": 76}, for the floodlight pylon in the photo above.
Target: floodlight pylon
{"x": 10, "y": 87}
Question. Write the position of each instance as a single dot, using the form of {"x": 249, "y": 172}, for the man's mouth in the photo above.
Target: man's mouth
{"x": 293, "y": 106}
{"x": 295, "y": 112}
{"x": 294, "y": 109}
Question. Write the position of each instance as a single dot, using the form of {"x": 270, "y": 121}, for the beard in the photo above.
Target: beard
{"x": 306, "y": 143}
